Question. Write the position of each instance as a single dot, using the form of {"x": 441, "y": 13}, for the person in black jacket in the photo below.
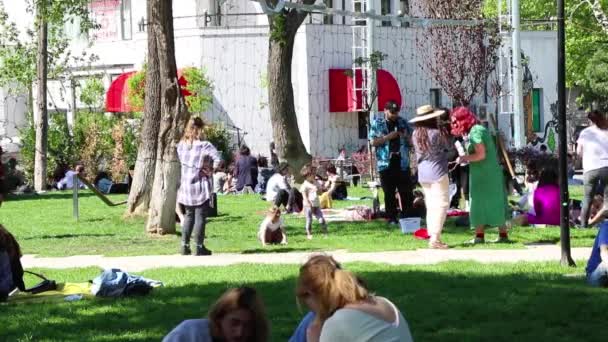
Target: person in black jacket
{"x": 11, "y": 271}
{"x": 246, "y": 170}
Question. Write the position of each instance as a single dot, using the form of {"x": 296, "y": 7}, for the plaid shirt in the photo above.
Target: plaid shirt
{"x": 378, "y": 129}
{"x": 195, "y": 188}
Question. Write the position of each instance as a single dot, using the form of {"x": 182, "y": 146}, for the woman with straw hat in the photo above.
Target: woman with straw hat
{"x": 433, "y": 145}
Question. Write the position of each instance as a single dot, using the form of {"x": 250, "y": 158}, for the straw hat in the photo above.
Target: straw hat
{"x": 426, "y": 112}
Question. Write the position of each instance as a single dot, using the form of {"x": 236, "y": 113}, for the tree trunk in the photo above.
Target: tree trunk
{"x": 141, "y": 188}
{"x": 599, "y": 14}
{"x": 161, "y": 218}
{"x": 41, "y": 119}
{"x": 285, "y": 130}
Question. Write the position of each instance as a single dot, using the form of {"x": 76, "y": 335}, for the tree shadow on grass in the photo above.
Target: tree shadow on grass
{"x": 277, "y": 249}
{"x": 66, "y": 236}
{"x": 439, "y": 306}
{"x": 47, "y": 196}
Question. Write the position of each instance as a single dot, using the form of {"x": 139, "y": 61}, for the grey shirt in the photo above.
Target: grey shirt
{"x": 433, "y": 163}
{"x": 191, "y": 330}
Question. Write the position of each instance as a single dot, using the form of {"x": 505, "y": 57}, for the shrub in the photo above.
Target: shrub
{"x": 220, "y": 138}
{"x": 61, "y": 150}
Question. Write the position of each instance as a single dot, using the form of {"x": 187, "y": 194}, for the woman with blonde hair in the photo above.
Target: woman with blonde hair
{"x": 238, "y": 316}
{"x": 345, "y": 310}
{"x": 195, "y": 190}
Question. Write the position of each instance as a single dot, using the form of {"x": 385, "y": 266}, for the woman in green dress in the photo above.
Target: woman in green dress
{"x": 487, "y": 191}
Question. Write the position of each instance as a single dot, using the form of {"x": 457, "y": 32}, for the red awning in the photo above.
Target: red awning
{"x": 118, "y": 93}
{"x": 341, "y": 94}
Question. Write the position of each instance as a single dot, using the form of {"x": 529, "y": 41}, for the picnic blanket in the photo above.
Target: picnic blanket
{"x": 63, "y": 291}
{"x": 350, "y": 214}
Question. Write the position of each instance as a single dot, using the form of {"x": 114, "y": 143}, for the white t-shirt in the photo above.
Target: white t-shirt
{"x": 310, "y": 190}
{"x": 275, "y": 183}
{"x": 268, "y": 224}
{"x": 594, "y": 143}
{"x": 358, "y": 326}
{"x": 218, "y": 181}
{"x": 67, "y": 182}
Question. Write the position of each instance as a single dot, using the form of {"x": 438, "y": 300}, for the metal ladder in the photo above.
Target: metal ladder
{"x": 505, "y": 59}
{"x": 361, "y": 73}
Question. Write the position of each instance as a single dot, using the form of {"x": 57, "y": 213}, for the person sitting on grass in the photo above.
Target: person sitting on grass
{"x": 546, "y": 199}
{"x": 238, "y": 316}
{"x": 312, "y": 205}
{"x": 67, "y": 182}
{"x": 334, "y": 184}
{"x": 264, "y": 175}
{"x": 345, "y": 310}
{"x": 279, "y": 191}
{"x": 103, "y": 182}
{"x": 219, "y": 178}
{"x": 272, "y": 229}
{"x": 597, "y": 266}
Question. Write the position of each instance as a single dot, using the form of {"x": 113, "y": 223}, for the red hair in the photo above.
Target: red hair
{"x": 462, "y": 121}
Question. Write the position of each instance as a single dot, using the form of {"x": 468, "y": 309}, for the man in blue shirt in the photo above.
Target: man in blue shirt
{"x": 390, "y": 136}
{"x": 597, "y": 266}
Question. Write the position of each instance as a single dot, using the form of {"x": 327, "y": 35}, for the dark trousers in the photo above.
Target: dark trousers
{"x": 291, "y": 198}
{"x": 394, "y": 180}
{"x": 591, "y": 180}
{"x": 194, "y": 219}
{"x": 460, "y": 176}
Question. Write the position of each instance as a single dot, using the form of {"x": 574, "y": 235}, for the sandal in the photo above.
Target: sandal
{"x": 438, "y": 245}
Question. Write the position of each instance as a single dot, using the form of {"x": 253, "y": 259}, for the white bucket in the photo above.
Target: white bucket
{"x": 409, "y": 224}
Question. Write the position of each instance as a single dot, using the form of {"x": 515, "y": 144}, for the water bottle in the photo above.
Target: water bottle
{"x": 460, "y": 150}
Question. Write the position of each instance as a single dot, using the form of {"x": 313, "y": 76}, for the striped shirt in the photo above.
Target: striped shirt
{"x": 195, "y": 188}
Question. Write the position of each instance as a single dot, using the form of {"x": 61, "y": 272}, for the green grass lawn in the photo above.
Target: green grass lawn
{"x": 456, "y": 301}
{"x": 44, "y": 225}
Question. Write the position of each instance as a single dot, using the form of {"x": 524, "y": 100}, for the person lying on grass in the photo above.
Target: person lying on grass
{"x": 345, "y": 310}
{"x": 597, "y": 266}
{"x": 272, "y": 229}
{"x": 238, "y": 316}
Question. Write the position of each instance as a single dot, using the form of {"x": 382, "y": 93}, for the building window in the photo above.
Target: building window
{"x": 126, "y": 26}
{"x": 435, "y": 97}
{"x": 328, "y": 19}
{"x": 385, "y": 9}
{"x": 537, "y": 109}
{"x": 363, "y": 117}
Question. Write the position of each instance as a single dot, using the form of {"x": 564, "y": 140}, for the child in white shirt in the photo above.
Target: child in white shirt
{"x": 272, "y": 229}
{"x": 312, "y": 205}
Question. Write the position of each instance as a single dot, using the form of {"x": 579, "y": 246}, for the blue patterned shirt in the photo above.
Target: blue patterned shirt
{"x": 378, "y": 129}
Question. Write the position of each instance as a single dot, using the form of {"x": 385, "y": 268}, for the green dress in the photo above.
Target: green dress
{"x": 488, "y": 196}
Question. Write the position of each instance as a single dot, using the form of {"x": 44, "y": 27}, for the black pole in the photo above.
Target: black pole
{"x": 566, "y": 259}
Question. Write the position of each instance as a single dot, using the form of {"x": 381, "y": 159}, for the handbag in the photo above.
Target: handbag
{"x": 44, "y": 286}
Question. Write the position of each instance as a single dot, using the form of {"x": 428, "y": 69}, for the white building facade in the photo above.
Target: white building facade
{"x": 230, "y": 41}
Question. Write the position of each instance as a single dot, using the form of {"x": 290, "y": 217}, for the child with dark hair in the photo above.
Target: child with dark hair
{"x": 219, "y": 178}
{"x": 312, "y": 204}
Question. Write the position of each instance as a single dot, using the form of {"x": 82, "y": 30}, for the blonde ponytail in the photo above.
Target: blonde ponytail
{"x": 332, "y": 286}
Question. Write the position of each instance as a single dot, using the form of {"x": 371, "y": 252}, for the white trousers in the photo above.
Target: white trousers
{"x": 437, "y": 201}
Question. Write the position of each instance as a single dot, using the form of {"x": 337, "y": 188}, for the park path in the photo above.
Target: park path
{"x": 415, "y": 257}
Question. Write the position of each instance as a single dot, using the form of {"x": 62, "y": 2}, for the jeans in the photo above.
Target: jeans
{"x": 599, "y": 277}
{"x": 194, "y": 219}
{"x": 308, "y": 212}
{"x": 394, "y": 179}
{"x": 591, "y": 180}
{"x": 437, "y": 201}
